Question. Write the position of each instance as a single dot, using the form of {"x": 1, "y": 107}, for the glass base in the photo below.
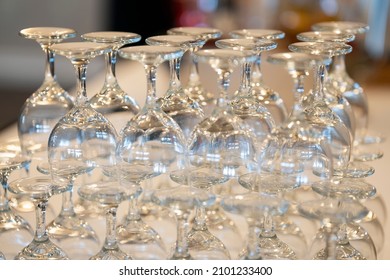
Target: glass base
{"x": 272, "y": 248}
{"x": 45, "y": 250}
{"x": 111, "y": 254}
{"x": 343, "y": 252}
{"x": 11, "y": 221}
{"x": 141, "y": 240}
{"x": 205, "y": 246}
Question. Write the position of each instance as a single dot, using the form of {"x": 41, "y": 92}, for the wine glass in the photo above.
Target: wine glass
{"x": 109, "y": 195}
{"x": 42, "y": 110}
{"x": 194, "y": 88}
{"x": 221, "y": 141}
{"x": 112, "y": 101}
{"x": 336, "y": 101}
{"x": 269, "y": 97}
{"x": 201, "y": 242}
{"x": 39, "y": 189}
{"x": 175, "y": 102}
{"x": 333, "y": 212}
{"x": 352, "y": 90}
{"x": 254, "y": 114}
{"x": 258, "y": 209}
{"x": 83, "y": 141}
{"x": 150, "y": 146}
{"x": 181, "y": 200}
{"x": 11, "y": 224}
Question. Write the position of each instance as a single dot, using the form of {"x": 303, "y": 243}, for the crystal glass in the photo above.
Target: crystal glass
{"x": 43, "y": 109}
{"x": 201, "y": 242}
{"x": 266, "y": 95}
{"x": 248, "y": 107}
{"x": 194, "y": 88}
{"x": 333, "y": 213}
{"x": 181, "y": 200}
{"x": 112, "y": 101}
{"x": 259, "y": 209}
{"x": 13, "y": 227}
{"x": 108, "y": 195}
{"x": 39, "y": 189}
{"x": 150, "y": 146}
{"x": 83, "y": 141}
{"x": 175, "y": 102}
{"x": 352, "y": 90}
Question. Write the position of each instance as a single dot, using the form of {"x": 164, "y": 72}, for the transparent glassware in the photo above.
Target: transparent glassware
{"x": 39, "y": 189}
{"x": 266, "y": 95}
{"x": 194, "y": 88}
{"x": 262, "y": 243}
{"x": 2, "y": 257}
{"x": 150, "y": 146}
{"x": 43, "y": 109}
{"x": 15, "y": 230}
{"x": 336, "y": 101}
{"x": 181, "y": 200}
{"x": 221, "y": 141}
{"x": 320, "y": 114}
{"x": 254, "y": 114}
{"x": 333, "y": 213}
{"x": 176, "y": 103}
{"x": 112, "y": 101}
{"x": 201, "y": 242}
{"x": 108, "y": 195}
{"x": 355, "y": 231}
{"x": 83, "y": 141}
{"x": 352, "y": 90}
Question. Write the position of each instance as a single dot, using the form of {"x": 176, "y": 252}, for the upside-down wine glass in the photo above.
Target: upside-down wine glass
{"x": 202, "y": 244}
{"x": 181, "y": 200}
{"x": 253, "y": 113}
{"x": 12, "y": 226}
{"x": 334, "y": 94}
{"x": 266, "y": 95}
{"x": 108, "y": 195}
{"x": 332, "y": 213}
{"x": 176, "y": 103}
{"x": 83, "y": 141}
{"x": 353, "y": 232}
{"x": 352, "y": 90}
{"x": 257, "y": 209}
{"x": 194, "y": 87}
{"x": 221, "y": 141}
{"x": 39, "y": 189}
{"x": 112, "y": 101}
{"x": 150, "y": 146}
{"x": 42, "y": 110}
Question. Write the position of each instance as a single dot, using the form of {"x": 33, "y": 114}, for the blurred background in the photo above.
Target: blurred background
{"x": 22, "y": 60}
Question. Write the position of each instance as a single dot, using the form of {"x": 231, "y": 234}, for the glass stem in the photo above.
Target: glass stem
{"x": 257, "y": 76}
{"x": 338, "y": 65}
{"x": 151, "y": 86}
{"x": 224, "y": 82}
{"x": 268, "y": 229}
{"x": 110, "y": 242}
{"x": 174, "y": 66}
{"x": 67, "y": 208}
{"x": 110, "y": 78}
{"x": 40, "y": 232}
{"x": 181, "y": 249}
{"x": 200, "y": 218}
{"x": 49, "y": 67}
{"x": 193, "y": 78}
{"x": 331, "y": 242}
{"x": 81, "y": 72}
{"x": 4, "y": 206}
{"x": 319, "y": 79}
{"x": 245, "y": 83}
{"x": 298, "y": 80}
{"x": 133, "y": 212}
